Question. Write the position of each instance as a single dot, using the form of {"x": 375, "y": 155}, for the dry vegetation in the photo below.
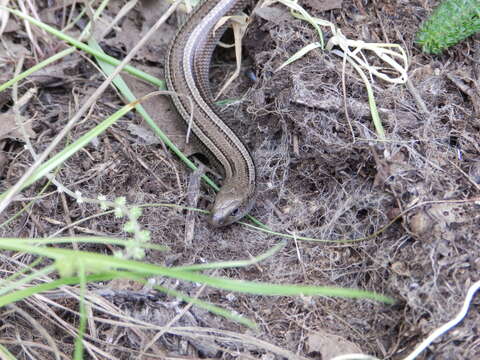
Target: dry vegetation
{"x": 322, "y": 175}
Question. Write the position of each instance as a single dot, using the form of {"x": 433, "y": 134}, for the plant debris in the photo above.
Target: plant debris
{"x": 322, "y": 174}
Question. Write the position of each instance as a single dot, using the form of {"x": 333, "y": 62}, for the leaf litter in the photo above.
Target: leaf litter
{"x": 322, "y": 174}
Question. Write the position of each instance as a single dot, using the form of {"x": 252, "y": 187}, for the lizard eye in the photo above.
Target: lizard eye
{"x": 234, "y": 212}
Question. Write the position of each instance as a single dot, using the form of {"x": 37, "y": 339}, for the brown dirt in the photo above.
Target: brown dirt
{"x": 322, "y": 175}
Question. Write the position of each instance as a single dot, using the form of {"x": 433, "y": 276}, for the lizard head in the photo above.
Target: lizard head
{"x": 232, "y": 203}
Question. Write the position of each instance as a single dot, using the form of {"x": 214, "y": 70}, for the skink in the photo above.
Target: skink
{"x": 187, "y": 73}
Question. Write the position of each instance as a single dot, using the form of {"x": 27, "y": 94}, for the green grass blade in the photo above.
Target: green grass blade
{"x": 238, "y": 263}
{"x": 36, "y": 67}
{"x": 18, "y": 295}
{"x": 205, "y": 305}
{"x": 68, "y": 260}
{"x": 71, "y": 149}
{"x": 5, "y": 354}
{"x": 82, "y": 46}
{"x": 84, "y": 240}
{"x": 7, "y": 286}
{"x": 54, "y": 284}
{"x": 78, "y": 352}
